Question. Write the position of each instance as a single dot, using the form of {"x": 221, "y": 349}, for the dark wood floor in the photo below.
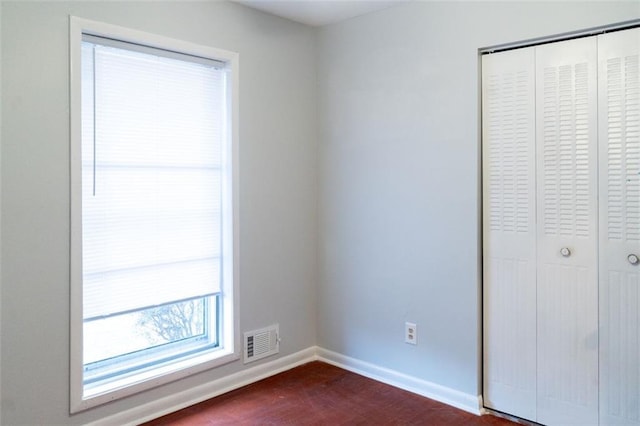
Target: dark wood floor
{"x": 321, "y": 394}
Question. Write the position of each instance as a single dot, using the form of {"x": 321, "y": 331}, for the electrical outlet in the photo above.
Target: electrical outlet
{"x": 410, "y": 333}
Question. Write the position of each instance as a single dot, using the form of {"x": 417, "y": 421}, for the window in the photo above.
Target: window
{"x": 153, "y": 294}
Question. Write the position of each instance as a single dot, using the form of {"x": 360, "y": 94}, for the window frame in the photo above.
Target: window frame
{"x": 229, "y": 332}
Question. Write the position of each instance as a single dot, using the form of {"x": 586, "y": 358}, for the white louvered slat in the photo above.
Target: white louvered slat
{"x": 565, "y": 151}
{"x": 509, "y": 231}
{"x": 619, "y": 157}
{"x": 567, "y": 299}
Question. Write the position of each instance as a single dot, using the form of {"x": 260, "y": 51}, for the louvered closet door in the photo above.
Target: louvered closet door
{"x": 567, "y": 296}
{"x": 619, "y": 134}
{"x": 509, "y": 232}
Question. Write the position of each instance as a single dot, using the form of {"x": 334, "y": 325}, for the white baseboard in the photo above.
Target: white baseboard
{"x": 171, "y": 403}
{"x": 175, "y": 402}
{"x": 461, "y": 400}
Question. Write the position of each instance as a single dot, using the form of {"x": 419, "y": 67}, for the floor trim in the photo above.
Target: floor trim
{"x": 463, "y": 401}
{"x": 175, "y": 402}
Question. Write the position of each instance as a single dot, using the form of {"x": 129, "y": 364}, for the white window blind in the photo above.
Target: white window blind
{"x": 152, "y": 133}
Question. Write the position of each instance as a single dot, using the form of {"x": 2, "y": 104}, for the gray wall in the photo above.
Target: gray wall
{"x": 399, "y": 177}
{"x": 1, "y": 102}
{"x": 278, "y": 131}
{"x": 390, "y": 132}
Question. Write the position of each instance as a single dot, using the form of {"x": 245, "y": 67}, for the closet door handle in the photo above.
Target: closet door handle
{"x": 633, "y": 259}
{"x": 565, "y": 252}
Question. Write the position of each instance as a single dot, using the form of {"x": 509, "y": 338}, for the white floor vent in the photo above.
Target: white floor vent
{"x": 261, "y": 343}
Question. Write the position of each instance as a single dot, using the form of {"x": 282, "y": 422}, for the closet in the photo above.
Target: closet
{"x": 561, "y": 230}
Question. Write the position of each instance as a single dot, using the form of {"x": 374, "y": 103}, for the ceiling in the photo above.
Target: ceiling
{"x": 319, "y": 12}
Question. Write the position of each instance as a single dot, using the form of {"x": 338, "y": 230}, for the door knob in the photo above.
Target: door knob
{"x": 633, "y": 259}
{"x": 564, "y": 251}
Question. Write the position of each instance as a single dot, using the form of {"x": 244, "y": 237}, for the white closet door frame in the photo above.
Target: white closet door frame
{"x": 567, "y": 296}
{"x": 509, "y": 237}
{"x": 619, "y": 159}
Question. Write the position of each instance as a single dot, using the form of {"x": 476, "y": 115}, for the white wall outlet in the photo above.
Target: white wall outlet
{"x": 410, "y": 333}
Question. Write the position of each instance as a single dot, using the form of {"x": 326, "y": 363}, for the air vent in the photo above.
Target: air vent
{"x": 261, "y": 343}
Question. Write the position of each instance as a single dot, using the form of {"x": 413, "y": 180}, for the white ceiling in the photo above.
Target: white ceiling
{"x": 319, "y": 12}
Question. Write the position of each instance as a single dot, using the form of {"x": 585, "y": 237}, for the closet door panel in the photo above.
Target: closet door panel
{"x": 509, "y": 232}
{"x": 619, "y": 157}
{"x": 567, "y": 296}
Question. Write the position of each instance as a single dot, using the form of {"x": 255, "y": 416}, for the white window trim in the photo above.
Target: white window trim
{"x": 78, "y": 26}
